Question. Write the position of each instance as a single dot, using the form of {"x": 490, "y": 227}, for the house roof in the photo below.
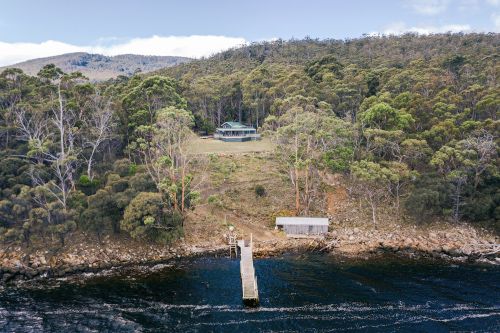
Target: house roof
{"x": 237, "y": 129}
{"x": 235, "y": 124}
{"x": 302, "y": 221}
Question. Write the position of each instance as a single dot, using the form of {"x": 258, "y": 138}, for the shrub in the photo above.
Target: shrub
{"x": 260, "y": 191}
{"x": 213, "y": 200}
{"x": 338, "y": 159}
{"x": 87, "y": 185}
{"x": 145, "y": 218}
{"x": 123, "y": 167}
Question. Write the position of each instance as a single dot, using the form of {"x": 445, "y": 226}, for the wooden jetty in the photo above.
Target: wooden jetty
{"x": 247, "y": 271}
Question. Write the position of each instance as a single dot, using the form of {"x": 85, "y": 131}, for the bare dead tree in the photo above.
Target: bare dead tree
{"x": 32, "y": 128}
{"x": 484, "y": 151}
{"x": 44, "y": 132}
{"x": 99, "y": 125}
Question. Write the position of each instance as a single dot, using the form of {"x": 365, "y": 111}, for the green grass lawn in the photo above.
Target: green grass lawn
{"x": 207, "y": 146}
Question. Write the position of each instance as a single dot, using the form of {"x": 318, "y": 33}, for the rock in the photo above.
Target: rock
{"x": 6, "y": 263}
{"x": 30, "y": 273}
{"x": 445, "y": 248}
{"x": 6, "y": 277}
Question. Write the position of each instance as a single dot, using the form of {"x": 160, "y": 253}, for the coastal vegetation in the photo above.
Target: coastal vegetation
{"x": 409, "y": 123}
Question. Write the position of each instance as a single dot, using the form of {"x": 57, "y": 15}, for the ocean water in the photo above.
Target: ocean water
{"x": 298, "y": 293}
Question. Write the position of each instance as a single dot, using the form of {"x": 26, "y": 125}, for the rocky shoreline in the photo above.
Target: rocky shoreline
{"x": 91, "y": 259}
{"x": 459, "y": 244}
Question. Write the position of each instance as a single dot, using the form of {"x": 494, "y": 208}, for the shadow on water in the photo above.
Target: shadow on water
{"x": 306, "y": 293}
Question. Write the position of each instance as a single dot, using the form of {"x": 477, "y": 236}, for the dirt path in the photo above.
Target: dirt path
{"x": 259, "y": 233}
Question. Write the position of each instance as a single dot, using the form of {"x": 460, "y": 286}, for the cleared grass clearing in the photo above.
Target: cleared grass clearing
{"x": 231, "y": 180}
{"x": 211, "y": 146}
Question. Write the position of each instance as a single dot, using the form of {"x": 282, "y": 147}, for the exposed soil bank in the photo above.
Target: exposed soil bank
{"x": 458, "y": 243}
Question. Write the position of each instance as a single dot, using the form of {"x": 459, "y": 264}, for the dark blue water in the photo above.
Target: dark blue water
{"x": 312, "y": 293}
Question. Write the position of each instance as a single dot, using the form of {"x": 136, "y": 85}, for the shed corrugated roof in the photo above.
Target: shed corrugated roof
{"x": 302, "y": 221}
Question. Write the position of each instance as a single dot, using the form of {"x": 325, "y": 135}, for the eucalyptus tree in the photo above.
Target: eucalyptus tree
{"x": 51, "y": 133}
{"x": 451, "y": 163}
{"x": 52, "y": 136}
{"x": 372, "y": 182}
{"x": 306, "y": 134}
{"x": 99, "y": 126}
{"x": 144, "y": 97}
{"x": 14, "y": 89}
{"x": 163, "y": 149}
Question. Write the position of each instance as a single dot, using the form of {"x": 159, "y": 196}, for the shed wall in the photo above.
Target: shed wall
{"x": 305, "y": 229}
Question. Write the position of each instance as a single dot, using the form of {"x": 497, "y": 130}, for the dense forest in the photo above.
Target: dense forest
{"x": 410, "y": 121}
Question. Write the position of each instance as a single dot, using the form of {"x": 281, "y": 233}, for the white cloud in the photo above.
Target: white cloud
{"x": 195, "y": 46}
{"x": 400, "y": 28}
{"x": 429, "y": 7}
{"x": 11, "y": 53}
{"x": 493, "y": 2}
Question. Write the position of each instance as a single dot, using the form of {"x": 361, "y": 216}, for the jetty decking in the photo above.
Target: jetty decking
{"x": 247, "y": 271}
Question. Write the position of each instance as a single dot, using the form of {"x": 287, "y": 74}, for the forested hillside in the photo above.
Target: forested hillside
{"x": 410, "y": 121}
{"x": 98, "y": 67}
{"x": 414, "y": 116}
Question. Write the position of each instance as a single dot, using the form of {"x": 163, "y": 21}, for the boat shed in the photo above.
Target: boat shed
{"x": 303, "y": 225}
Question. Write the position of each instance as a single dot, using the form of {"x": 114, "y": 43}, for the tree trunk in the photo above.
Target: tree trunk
{"x": 61, "y": 121}
{"x": 306, "y": 187}
{"x": 183, "y": 181}
{"x": 219, "y": 111}
{"x": 457, "y": 198}
{"x": 373, "y": 205}
{"x": 397, "y": 199}
{"x": 174, "y": 195}
{"x": 89, "y": 165}
{"x": 297, "y": 189}
{"x": 257, "y": 117}
{"x": 297, "y": 192}
{"x": 374, "y": 215}
{"x": 306, "y": 190}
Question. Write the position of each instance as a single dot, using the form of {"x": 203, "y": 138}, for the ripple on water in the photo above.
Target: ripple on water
{"x": 310, "y": 294}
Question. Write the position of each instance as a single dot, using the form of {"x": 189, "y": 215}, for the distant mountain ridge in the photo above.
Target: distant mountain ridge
{"x": 98, "y": 67}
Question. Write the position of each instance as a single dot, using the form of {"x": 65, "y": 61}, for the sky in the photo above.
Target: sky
{"x": 197, "y": 28}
